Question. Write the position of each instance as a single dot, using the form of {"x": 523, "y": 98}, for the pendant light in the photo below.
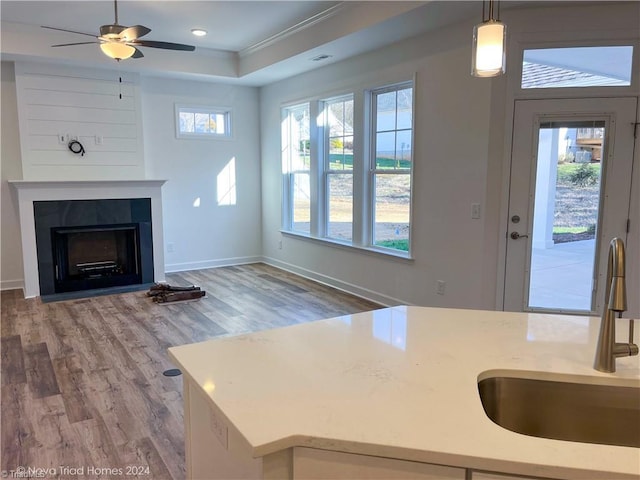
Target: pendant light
{"x": 489, "y": 44}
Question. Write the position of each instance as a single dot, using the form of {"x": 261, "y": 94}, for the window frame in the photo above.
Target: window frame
{"x": 373, "y": 171}
{"x": 515, "y": 56}
{"x": 204, "y": 109}
{"x": 363, "y": 201}
{"x": 578, "y": 45}
{"x": 327, "y": 171}
{"x": 288, "y": 203}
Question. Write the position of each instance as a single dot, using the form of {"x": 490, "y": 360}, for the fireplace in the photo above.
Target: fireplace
{"x": 93, "y": 244}
{"x": 96, "y": 257}
{"x": 36, "y": 200}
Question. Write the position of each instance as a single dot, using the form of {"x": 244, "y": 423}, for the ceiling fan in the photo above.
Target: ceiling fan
{"x": 120, "y": 42}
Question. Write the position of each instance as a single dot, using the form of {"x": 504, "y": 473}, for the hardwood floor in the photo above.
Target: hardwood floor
{"x": 82, "y": 383}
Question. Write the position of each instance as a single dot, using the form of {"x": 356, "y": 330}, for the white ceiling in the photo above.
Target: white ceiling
{"x": 249, "y": 42}
{"x": 232, "y": 25}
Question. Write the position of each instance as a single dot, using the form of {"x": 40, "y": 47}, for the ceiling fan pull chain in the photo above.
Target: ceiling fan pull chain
{"x": 119, "y": 80}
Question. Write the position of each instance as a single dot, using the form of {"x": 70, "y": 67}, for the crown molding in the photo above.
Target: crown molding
{"x": 318, "y": 18}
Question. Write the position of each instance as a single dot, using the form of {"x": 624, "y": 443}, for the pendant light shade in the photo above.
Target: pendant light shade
{"x": 117, "y": 50}
{"x": 488, "y": 53}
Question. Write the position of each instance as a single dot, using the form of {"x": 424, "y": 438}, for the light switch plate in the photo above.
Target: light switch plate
{"x": 475, "y": 211}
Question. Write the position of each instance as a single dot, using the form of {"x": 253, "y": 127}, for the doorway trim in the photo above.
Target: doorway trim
{"x": 614, "y": 201}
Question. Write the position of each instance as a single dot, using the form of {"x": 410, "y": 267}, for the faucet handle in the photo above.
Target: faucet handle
{"x": 633, "y": 348}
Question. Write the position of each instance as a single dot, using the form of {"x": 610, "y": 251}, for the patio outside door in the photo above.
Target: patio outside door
{"x": 569, "y": 194}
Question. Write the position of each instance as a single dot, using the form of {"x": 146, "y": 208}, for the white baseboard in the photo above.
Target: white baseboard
{"x": 224, "y": 262}
{"x": 12, "y": 285}
{"x": 347, "y": 287}
{"x": 227, "y": 262}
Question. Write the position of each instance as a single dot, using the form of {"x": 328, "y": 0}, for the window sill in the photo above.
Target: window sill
{"x": 376, "y": 252}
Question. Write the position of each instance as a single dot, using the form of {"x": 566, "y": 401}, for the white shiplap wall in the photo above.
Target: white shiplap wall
{"x": 83, "y": 103}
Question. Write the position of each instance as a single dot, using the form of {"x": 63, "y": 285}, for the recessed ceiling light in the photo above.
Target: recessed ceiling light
{"x": 198, "y": 32}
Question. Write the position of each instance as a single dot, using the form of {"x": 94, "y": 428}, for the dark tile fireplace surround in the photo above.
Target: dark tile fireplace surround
{"x": 93, "y": 244}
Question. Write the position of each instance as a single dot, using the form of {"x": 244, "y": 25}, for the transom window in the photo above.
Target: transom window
{"x": 203, "y": 122}
{"x": 600, "y": 66}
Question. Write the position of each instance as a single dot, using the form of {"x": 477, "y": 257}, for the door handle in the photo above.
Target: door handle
{"x": 516, "y": 236}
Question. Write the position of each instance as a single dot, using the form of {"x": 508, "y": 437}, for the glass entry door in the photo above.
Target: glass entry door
{"x": 569, "y": 195}
{"x": 566, "y": 214}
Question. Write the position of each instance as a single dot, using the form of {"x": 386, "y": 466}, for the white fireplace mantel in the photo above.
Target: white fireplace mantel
{"x": 35, "y": 191}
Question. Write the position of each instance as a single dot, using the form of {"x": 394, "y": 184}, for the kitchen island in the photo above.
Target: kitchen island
{"x": 391, "y": 393}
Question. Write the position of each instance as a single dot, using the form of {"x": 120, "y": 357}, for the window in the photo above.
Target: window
{"x": 296, "y": 163}
{"x": 334, "y": 193}
{"x": 391, "y": 165}
{"x": 603, "y": 66}
{"x": 338, "y": 167}
{"x": 203, "y": 122}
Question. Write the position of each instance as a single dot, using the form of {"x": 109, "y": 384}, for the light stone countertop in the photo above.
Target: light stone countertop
{"x": 401, "y": 382}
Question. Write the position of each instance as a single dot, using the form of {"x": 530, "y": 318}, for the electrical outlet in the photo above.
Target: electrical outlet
{"x": 62, "y": 139}
{"x": 475, "y": 211}
{"x": 99, "y": 139}
{"x": 440, "y": 284}
{"x": 170, "y": 247}
{"x": 280, "y": 245}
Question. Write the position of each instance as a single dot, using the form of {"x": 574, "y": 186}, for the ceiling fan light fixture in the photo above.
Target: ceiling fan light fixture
{"x": 119, "y": 42}
{"x": 117, "y": 50}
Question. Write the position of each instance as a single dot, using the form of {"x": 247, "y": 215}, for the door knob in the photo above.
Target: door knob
{"x": 516, "y": 236}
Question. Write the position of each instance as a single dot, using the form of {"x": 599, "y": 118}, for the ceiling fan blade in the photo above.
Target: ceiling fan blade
{"x": 137, "y": 54}
{"x": 131, "y": 33}
{"x": 165, "y": 45}
{"x": 70, "y": 31}
{"x": 77, "y": 43}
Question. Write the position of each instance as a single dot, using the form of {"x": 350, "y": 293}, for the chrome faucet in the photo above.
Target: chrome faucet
{"x": 615, "y": 299}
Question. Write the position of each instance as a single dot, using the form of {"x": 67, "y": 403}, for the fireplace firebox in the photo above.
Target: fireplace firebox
{"x": 93, "y": 244}
{"x": 96, "y": 257}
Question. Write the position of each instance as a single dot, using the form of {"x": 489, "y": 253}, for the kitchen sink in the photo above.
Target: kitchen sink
{"x": 562, "y": 410}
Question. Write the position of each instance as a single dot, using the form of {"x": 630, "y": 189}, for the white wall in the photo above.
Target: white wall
{"x": 210, "y": 234}
{"x": 462, "y": 146}
{"x": 459, "y": 150}
{"x": 452, "y": 171}
{"x": 11, "y": 274}
{"x": 98, "y": 108}
{"x": 204, "y": 236}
